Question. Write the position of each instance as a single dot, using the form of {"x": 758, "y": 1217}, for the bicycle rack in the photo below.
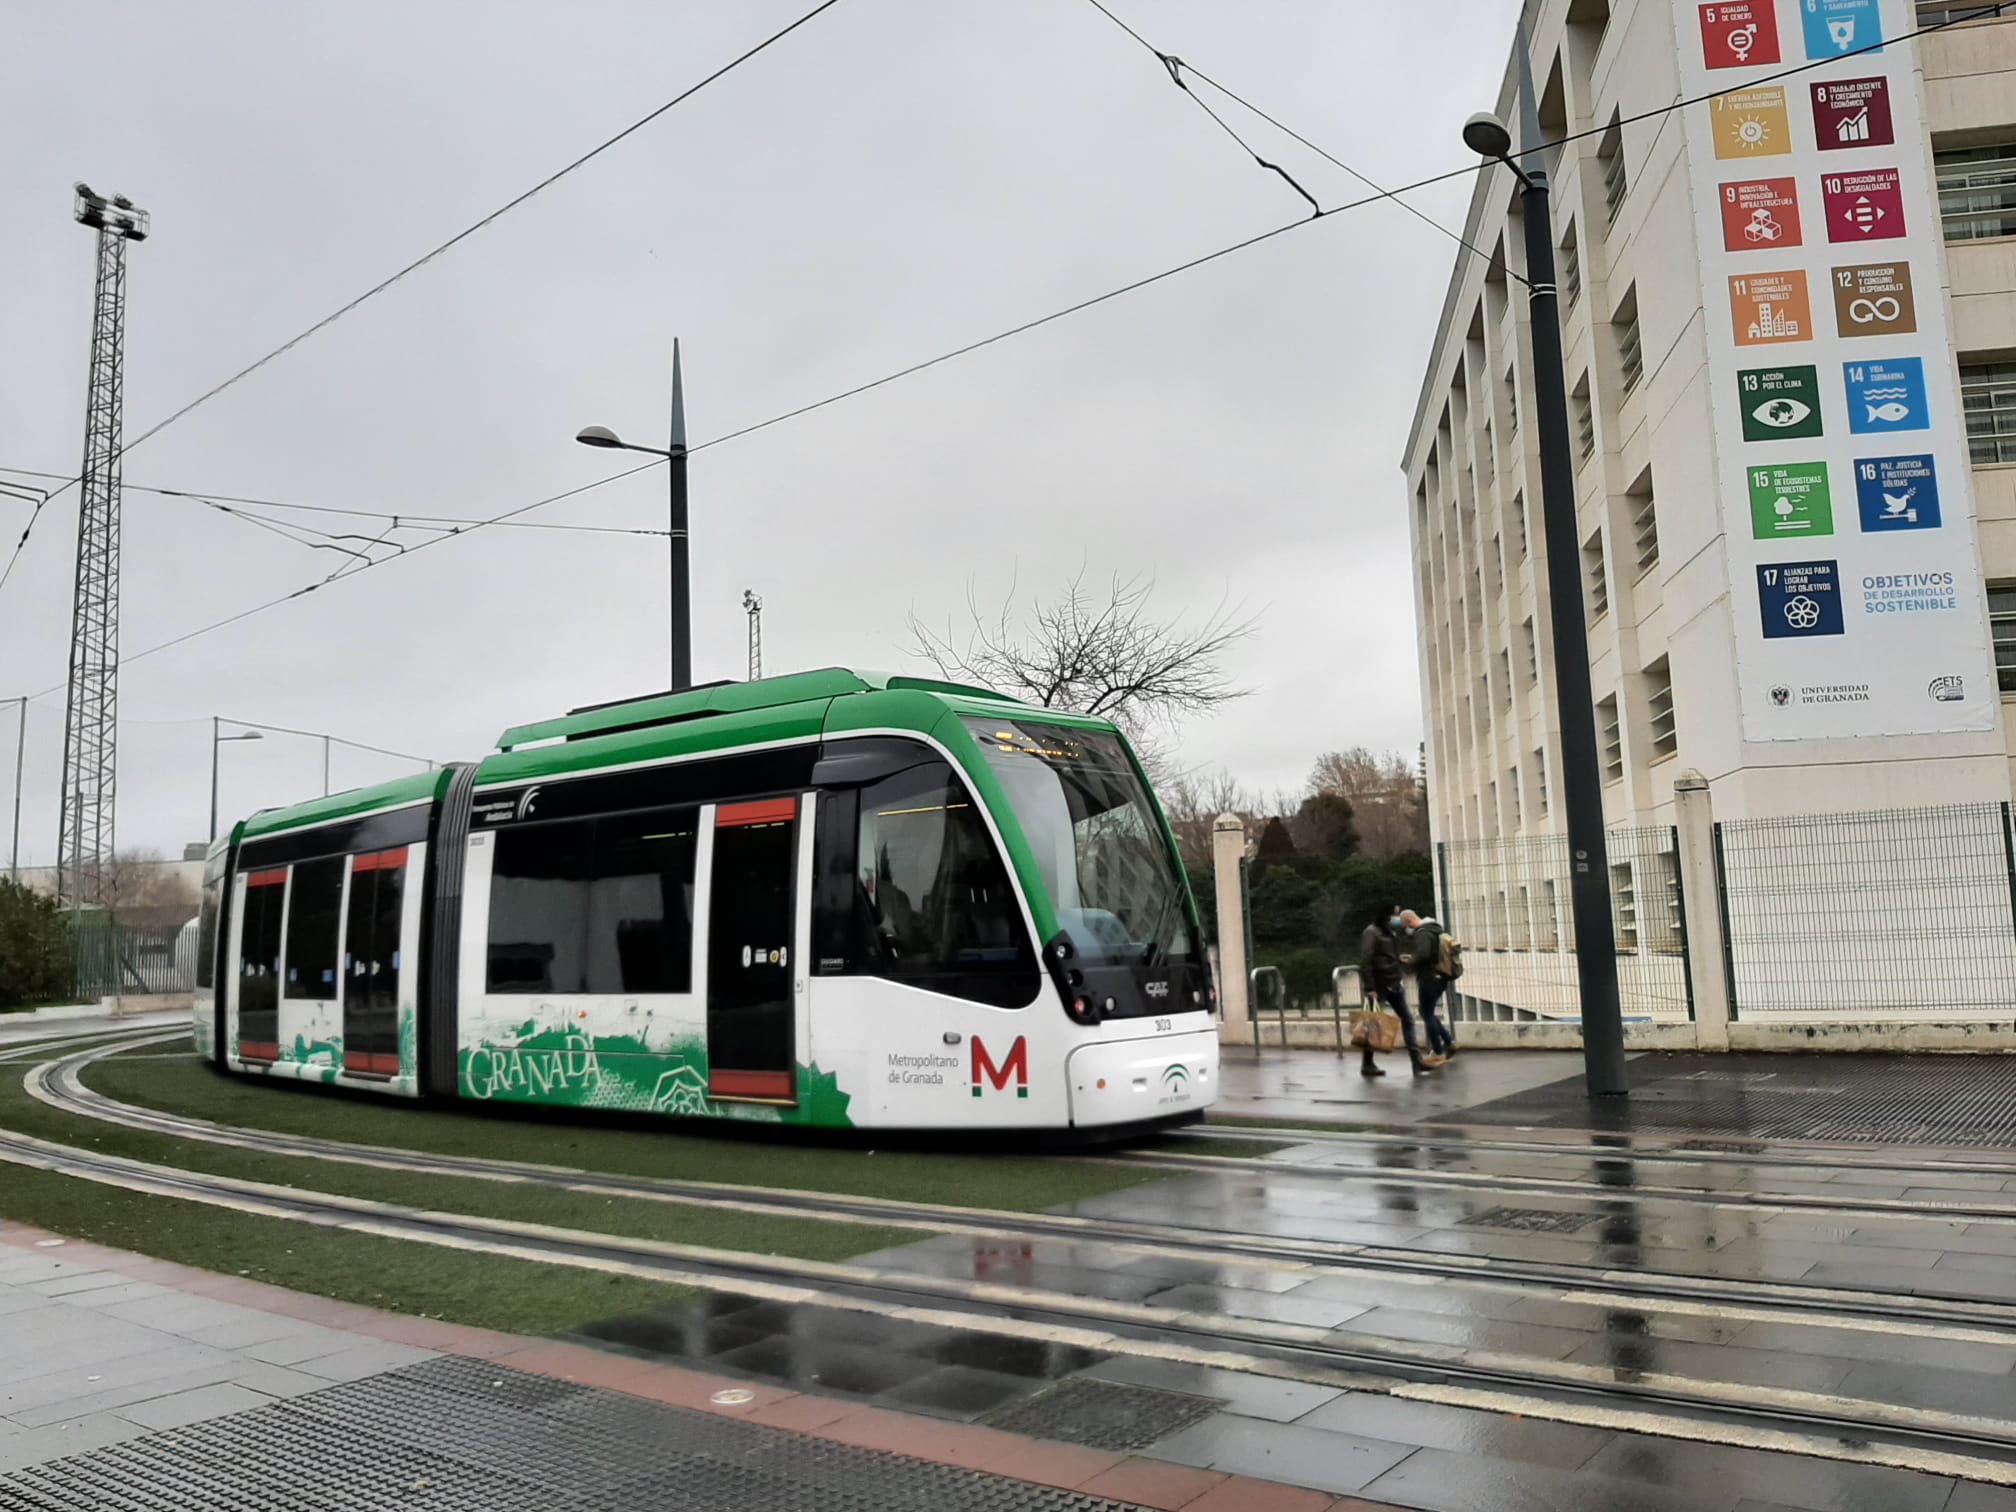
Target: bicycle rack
{"x": 1279, "y": 994}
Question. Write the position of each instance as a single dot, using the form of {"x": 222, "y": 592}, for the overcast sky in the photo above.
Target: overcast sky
{"x": 897, "y": 178}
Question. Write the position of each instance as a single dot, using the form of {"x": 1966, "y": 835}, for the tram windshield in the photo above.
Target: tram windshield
{"x": 1098, "y": 843}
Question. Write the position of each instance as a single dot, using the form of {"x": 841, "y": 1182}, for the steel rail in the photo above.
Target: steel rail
{"x": 59, "y": 1084}
{"x": 1809, "y": 1424}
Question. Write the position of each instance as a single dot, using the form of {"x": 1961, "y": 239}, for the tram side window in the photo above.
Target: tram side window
{"x": 259, "y": 959}
{"x": 600, "y": 905}
{"x": 640, "y": 915}
{"x": 932, "y": 901}
{"x": 311, "y": 929}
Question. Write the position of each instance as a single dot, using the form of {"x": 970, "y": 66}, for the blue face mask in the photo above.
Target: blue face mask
{"x": 1394, "y": 922}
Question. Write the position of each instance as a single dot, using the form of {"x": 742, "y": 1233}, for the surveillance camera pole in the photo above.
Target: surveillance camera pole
{"x": 1580, "y": 783}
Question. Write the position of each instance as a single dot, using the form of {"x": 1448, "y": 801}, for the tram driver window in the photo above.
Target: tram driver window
{"x": 600, "y": 905}
{"x": 931, "y": 898}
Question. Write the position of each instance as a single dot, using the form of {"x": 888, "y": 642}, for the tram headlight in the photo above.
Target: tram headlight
{"x": 1083, "y": 1009}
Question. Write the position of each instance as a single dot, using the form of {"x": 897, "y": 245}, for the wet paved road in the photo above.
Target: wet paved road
{"x": 1915, "y": 1312}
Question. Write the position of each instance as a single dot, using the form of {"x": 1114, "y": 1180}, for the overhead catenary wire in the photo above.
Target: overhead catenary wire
{"x": 425, "y": 258}
{"x": 1056, "y": 315}
{"x": 427, "y": 521}
{"x": 1175, "y": 67}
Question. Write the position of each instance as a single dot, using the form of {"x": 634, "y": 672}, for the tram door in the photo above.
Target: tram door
{"x": 751, "y": 924}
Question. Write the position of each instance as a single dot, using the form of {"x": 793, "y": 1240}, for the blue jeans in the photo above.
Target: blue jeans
{"x": 1432, "y": 985}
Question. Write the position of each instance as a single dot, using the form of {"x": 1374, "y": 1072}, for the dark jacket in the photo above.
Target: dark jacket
{"x": 1424, "y": 948}
{"x": 1379, "y": 959}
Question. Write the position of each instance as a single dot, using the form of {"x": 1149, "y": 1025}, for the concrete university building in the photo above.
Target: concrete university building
{"x": 1788, "y": 311}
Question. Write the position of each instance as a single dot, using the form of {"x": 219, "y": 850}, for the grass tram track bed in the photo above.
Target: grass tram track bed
{"x": 406, "y": 1276}
{"x": 1004, "y": 1179}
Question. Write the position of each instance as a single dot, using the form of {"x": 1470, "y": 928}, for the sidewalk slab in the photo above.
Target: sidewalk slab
{"x": 192, "y": 1408}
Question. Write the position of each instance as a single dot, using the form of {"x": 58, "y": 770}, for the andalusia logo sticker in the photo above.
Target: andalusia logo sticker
{"x": 1176, "y": 1084}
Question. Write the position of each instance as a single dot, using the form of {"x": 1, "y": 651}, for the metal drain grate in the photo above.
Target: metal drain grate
{"x": 1530, "y": 1220}
{"x": 1722, "y": 1146}
{"x": 454, "y": 1435}
{"x": 1102, "y": 1414}
{"x": 1953, "y": 1100}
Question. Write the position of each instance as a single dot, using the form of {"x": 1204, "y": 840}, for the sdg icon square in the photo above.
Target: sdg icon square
{"x": 1837, "y": 27}
{"x": 1886, "y": 396}
{"x": 1760, "y": 214}
{"x": 1779, "y": 404}
{"x": 1738, "y": 33}
{"x": 1852, "y": 113}
{"x": 1799, "y": 599}
{"x": 1790, "y": 499}
{"x": 1897, "y": 493}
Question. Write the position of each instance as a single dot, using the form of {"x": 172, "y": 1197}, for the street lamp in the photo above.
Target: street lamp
{"x": 217, "y": 740}
{"x": 681, "y": 565}
{"x": 1581, "y": 773}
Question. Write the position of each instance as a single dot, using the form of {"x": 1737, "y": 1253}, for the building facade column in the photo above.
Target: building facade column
{"x": 1694, "y": 822}
{"x": 1228, "y": 850}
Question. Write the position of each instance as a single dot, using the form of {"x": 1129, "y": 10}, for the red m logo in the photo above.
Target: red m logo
{"x": 1017, "y": 1066}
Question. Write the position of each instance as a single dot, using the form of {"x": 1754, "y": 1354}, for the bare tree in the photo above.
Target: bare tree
{"x": 1385, "y": 796}
{"x": 1095, "y": 653}
{"x": 143, "y": 891}
{"x": 1193, "y": 804}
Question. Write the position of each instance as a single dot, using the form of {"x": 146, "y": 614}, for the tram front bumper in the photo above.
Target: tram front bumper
{"x": 1143, "y": 1079}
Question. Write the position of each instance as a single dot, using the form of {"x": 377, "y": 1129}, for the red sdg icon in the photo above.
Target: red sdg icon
{"x": 1760, "y": 215}
{"x": 1739, "y": 33}
{"x": 1863, "y": 206}
{"x": 1851, "y": 113}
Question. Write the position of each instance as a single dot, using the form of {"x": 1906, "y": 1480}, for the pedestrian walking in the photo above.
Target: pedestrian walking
{"x": 1421, "y": 952}
{"x": 1380, "y": 970}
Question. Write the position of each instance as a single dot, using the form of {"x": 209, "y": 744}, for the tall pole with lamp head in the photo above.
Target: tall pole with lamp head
{"x": 680, "y": 564}
{"x": 1581, "y": 770}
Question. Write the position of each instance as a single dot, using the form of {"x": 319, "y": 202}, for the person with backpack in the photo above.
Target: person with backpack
{"x": 1436, "y": 960}
{"x": 1380, "y": 971}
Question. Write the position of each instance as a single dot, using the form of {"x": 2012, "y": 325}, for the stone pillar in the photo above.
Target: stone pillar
{"x": 1228, "y": 848}
{"x": 1694, "y": 818}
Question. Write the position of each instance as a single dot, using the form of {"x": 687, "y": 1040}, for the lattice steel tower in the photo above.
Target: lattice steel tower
{"x": 754, "y": 606}
{"x": 90, "y": 724}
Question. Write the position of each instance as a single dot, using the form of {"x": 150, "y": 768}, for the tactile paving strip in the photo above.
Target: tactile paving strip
{"x": 456, "y": 1435}
{"x": 1102, "y": 1414}
{"x": 1959, "y": 1100}
{"x": 1530, "y": 1220}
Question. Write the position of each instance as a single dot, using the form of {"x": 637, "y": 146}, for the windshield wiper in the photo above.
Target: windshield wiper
{"x": 1155, "y": 934}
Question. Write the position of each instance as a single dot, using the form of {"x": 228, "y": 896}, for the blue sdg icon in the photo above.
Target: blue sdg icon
{"x": 1799, "y": 598}
{"x": 1897, "y": 493}
{"x": 1835, "y": 28}
{"x": 1886, "y": 396}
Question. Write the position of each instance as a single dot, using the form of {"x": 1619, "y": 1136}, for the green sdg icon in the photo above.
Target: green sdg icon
{"x": 1779, "y": 404}
{"x": 1790, "y": 499}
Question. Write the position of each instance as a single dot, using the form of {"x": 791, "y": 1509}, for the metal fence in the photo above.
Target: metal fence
{"x": 1892, "y": 914}
{"x": 111, "y": 959}
{"x": 1508, "y": 902}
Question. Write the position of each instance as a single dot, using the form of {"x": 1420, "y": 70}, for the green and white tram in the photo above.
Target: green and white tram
{"x": 833, "y": 899}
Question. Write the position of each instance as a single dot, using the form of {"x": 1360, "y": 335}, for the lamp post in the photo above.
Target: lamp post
{"x": 217, "y": 739}
{"x": 1581, "y": 773}
{"x": 20, "y": 756}
{"x": 681, "y": 564}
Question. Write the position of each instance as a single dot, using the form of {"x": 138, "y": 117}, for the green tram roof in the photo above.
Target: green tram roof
{"x": 721, "y": 716}
{"x": 419, "y": 788}
{"x": 726, "y": 698}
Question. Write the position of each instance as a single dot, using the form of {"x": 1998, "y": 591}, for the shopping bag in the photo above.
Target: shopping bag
{"x": 1377, "y": 1031}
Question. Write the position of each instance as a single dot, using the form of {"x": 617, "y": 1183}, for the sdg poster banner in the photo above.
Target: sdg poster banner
{"x": 1841, "y": 449}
